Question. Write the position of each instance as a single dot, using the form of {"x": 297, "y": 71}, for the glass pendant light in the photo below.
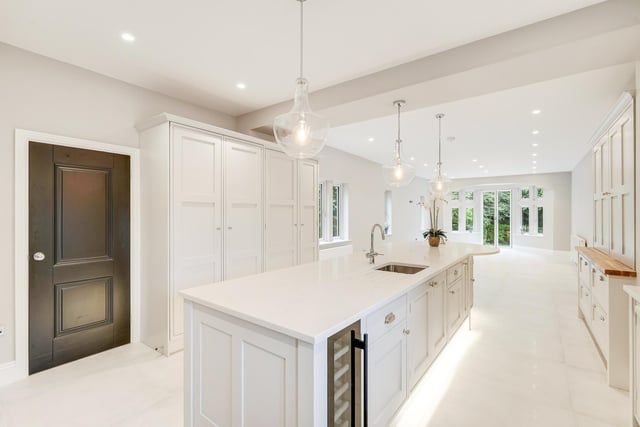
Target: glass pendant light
{"x": 440, "y": 183}
{"x": 301, "y": 133}
{"x": 398, "y": 173}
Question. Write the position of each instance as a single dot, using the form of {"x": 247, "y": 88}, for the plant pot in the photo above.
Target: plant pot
{"x": 434, "y": 241}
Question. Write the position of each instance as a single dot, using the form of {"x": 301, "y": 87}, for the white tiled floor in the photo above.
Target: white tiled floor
{"x": 527, "y": 362}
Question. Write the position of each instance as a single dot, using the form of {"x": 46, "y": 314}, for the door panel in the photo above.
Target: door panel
{"x": 281, "y": 237}
{"x": 308, "y": 208}
{"x": 197, "y": 216}
{"x": 79, "y": 298}
{"x": 418, "y": 354}
{"x": 243, "y": 209}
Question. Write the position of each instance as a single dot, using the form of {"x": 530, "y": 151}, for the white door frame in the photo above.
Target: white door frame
{"x": 21, "y": 237}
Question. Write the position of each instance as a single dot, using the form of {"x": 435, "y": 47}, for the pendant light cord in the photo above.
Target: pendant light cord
{"x": 398, "y": 141}
{"x": 439, "y": 145}
{"x": 301, "y": 36}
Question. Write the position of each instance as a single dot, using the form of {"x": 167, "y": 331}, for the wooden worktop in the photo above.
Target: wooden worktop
{"x": 607, "y": 264}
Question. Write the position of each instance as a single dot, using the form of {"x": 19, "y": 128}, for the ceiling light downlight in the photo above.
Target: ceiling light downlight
{"x": 398, "y": 173}
{"x": 128, "y": 37}
{"x": 241, "y": 85}
{"x": 301, "y": 133}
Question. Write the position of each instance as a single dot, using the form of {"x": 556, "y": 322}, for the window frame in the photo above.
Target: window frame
{"x": 326, "y": 228}
{"x": 534, "y": 203}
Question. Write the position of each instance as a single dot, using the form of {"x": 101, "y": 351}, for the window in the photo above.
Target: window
{"x": 388, "y": 212}
{"x": 455, "y": 220}
{"x": 525, "y": 221}
{"x": 455, "y": 195}
{"x": 532, "y": 210}
{"x": 469, "y": 219}
{"x": 468, "y": 195}
{"x": 333, "y": 211}
{"x": 540, "y": 219}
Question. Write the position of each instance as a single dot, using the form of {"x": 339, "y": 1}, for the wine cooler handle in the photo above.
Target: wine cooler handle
{"x": 364, "y": 346}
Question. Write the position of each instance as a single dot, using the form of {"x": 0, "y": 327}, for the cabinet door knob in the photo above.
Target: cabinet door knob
{"x": 585, "y": 263}
{"x": 389, "y": 318}
{"x": 455, "y": 272}
{"x": 601, "y": 278}
{"x": 452, "y": 292}
{"x": 433, "y": 284}
{"x": 602, "y": 318}
{"x": 229, "y": 228}
{"x": 406, "y": 331}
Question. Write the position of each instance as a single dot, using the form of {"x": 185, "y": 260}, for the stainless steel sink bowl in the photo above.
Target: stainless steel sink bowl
{"x": 402, "y": 268}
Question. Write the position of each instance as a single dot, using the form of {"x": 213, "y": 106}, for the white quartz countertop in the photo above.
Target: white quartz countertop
{"x": 311, "y": 302}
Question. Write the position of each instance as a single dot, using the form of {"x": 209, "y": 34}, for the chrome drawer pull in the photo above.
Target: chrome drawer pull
{"x": 602, "y": 318}
{"x": 433, "y": 284}
{"x": 406, "y": 331}
{"x": 585, "y": 263}
{"x": 389, "y": 318}
{"x": 455, "y": 272}
{"x": 602, "y": 278}
{"x": 452, "y": 292}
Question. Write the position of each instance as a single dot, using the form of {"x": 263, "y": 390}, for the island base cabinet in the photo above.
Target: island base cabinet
{"x": 455, "y": 306}
{"x": 237, "y": 375}
{"x": 437, "y": 315}
{"x": 418, "y": 352}
{"x": 387, "y": 376}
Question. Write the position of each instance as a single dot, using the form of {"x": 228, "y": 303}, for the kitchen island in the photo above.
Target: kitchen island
{"x": 258, "y": 348}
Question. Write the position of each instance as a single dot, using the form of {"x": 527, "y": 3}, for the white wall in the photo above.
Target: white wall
{"x": 366, "y": 198}
{"x": 582, "y": 199}
{"x": 41, "y": 94}
{"x": 557, "y": 212}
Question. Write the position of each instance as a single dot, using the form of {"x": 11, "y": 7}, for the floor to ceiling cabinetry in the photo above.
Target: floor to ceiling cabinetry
{"x": 291, "y": 211}
{"x": 209, "y": 199}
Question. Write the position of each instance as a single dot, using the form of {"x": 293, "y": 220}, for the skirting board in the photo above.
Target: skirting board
{"x": 9, "y": 373}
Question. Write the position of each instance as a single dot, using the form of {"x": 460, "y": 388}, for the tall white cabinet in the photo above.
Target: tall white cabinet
{"x": 291, "y": 211}
{"x": 216, "y": 205}
{"x": 614, "y": 175}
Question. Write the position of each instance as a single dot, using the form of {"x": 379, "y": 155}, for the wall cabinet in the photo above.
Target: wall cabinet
{"x": 291, "y": 211}
{"x": 613, "y": 186}
{"x": 205, "y": 216}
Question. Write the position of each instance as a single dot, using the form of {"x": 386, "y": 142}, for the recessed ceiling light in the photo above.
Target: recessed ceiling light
{"x": 426, "y": 164}
{"x": 371, "y": 139}
{"x": 536, "y": 112}
{"x": 533, "y": 167}
{"x": 474, "y": 160}
{"x": 534, "y": 162}
{"x": 535, "y": 132}
{"x": 535, "y": 144}
{"x": 128, "y": 37}
{"x": 481, "y": 166}
{"x": 412, "y": 158}
{"x": 534, "y": 154}
{"x": 241, "y": 85}
{"x": 486, "y": 171}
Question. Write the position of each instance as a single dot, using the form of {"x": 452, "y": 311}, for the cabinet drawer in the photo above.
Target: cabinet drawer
{"x": 584, "y": 294}
{"x": 584, "y": 270}
{"x": 456, "y": 272}
{"x": 600, "y": 329}
{"x": 600, "y": 288}
{"x": 386, "y": 318}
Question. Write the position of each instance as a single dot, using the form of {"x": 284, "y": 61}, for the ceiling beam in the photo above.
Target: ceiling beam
{"x": 598, "y": 36}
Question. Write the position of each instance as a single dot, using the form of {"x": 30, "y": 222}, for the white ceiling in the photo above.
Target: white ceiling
{"x": 496, "y": 129}
{"x": 197, "y": 50}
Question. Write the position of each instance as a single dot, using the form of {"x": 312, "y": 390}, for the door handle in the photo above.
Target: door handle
{"x": 38, "y": 256}
{"x": 364, "y": 346}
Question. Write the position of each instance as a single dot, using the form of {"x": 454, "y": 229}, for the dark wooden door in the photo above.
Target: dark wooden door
{"x": 79, "y": 299}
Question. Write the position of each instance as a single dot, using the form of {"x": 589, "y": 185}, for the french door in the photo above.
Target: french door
{"x": 496, "y": 218}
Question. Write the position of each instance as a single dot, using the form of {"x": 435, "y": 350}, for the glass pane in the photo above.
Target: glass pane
{"x": 540, "y": 218}
{"x": 455, "y": 220}
{"x": 455, "y": 195}
{"x": 336, "y": 211}
{"x": 469, "y": 222}
{"x": 540, "y": 193}
{"x": 488, "y": 218}
{"x": 525, "y": 193}
{"x": 320, "y": 212}
{"x": 525, "y": 220}
{"x": 504, "y": 218}
{"x": 468, "y": 195}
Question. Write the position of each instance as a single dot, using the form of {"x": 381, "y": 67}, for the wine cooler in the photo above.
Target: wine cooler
{"x": 347, "y": 378}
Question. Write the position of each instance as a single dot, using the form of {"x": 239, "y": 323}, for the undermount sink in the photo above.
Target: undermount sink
{"x": 402, "y": 268}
